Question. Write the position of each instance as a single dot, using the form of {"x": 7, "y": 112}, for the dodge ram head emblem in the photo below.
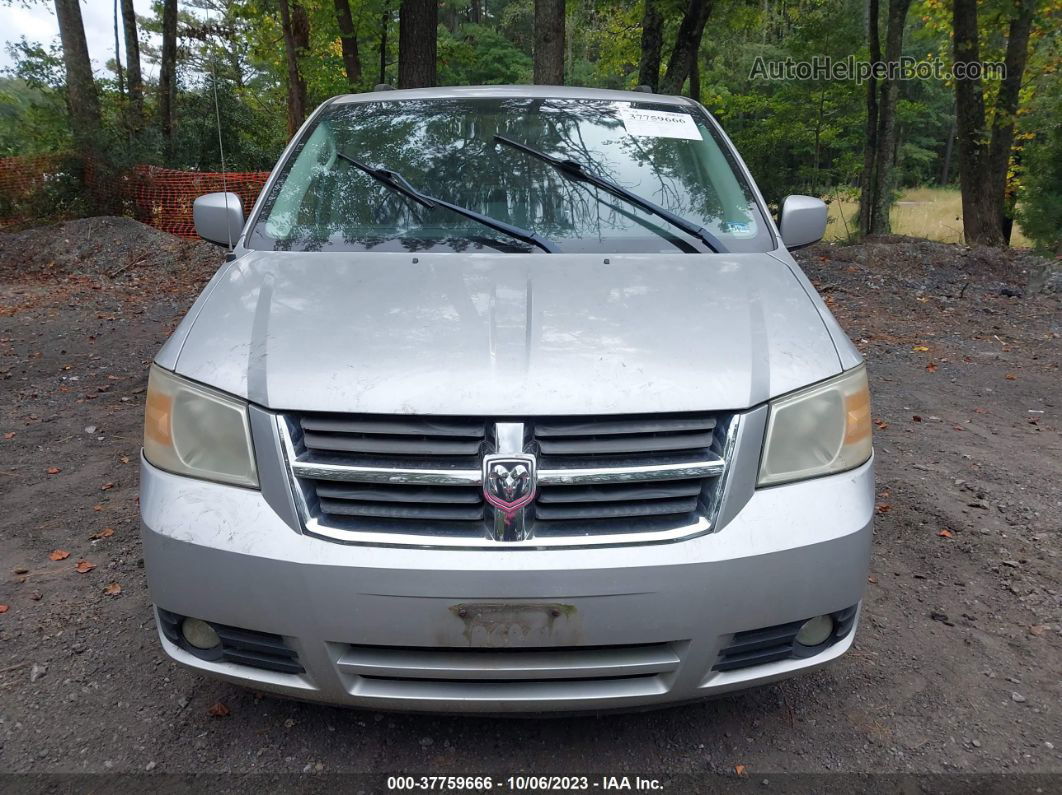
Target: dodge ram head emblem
{"x": 509, "y": 482}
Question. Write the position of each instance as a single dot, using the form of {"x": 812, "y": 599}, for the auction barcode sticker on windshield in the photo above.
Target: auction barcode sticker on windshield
{"x": 659, "y": 124}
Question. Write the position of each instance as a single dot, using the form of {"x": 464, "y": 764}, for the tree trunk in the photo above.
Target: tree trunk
{"x": 549, "y": 43}
{"x": 652, "y": 42}
{"x": 980, "y": 208}
{"x": 385, "y": 23}
{"x": 296, "y": 29}
{"x": 695, "y": 80}
{"x": 168, "y": 73}
{"x": 118, "y": 71}
{"x": 82, "y": 100}
{"x": 1006, "y": 109}
{"x": 134, "y": 78}
{"x": 885, "y": 151}
{"x": 949, "y": 147}
{"x": 418, "y": 25}
{"x": 348, "y": 37}
{"x": 868, "y": 183}
{"x": 475, "y": 13}
{"x": 687, "y": 45}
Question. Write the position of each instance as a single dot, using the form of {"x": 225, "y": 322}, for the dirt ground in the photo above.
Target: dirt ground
{"x": 956, "y": 669}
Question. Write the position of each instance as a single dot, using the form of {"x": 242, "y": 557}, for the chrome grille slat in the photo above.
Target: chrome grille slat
{"x": 369, "y": 474}
{"x": 709, "y": 468}
{"x": 625, "y": 444}
{"x": 613, "y": 510}
{"x": 392, "y": 493}
{"x": 604, "y": 426}
{"x": 659, "y": 490}
{"x": 413, "y": 426}
{"x": 391, "y": 445}
{"x": 395, "y": 510}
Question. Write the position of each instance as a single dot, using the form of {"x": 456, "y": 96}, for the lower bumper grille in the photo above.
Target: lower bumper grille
{"x": 509, "y": 674}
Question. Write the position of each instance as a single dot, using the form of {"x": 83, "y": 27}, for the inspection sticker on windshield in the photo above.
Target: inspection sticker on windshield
{"x": 659, "y": 124}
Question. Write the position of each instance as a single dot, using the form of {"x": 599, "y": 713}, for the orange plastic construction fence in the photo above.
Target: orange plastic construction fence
{"x": 161, "y": 197}
{"x": 21, "y": 176}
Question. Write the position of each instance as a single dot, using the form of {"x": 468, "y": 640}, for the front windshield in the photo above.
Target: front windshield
{"x": 446, "y": 148}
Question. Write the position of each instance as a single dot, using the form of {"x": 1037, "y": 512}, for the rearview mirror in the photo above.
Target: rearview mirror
{"x": 803, "y": 221}
{"x": 218, "y": 218}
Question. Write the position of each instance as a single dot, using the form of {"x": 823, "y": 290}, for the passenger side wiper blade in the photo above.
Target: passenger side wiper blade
{"x": 400, "y": 184}
{"x": 577, "y": 171}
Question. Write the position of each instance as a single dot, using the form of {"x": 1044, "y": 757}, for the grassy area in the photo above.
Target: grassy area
{"x": 932, "y": 213}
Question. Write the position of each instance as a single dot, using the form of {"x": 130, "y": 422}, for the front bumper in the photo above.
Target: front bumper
{"x": 471, "y": 630}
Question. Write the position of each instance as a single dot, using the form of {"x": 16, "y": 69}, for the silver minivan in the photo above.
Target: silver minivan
{"x": 507, "y": 399}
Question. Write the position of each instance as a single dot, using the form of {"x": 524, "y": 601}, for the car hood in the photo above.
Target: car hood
{"x": 504, "y": 334}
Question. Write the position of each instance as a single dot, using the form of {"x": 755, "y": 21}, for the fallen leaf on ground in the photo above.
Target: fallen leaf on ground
{"x": 882, "y": 425}
{"x": 97, "y": 507}
{"x": 740, "y": 770}
{"x": 921, "y": 348}
{"x": 124, "y": 459}
{"x": 54, "y": 470}
{"x": 106, "y": 486}
{"x": 884, "y": 508}
{"x": 58, "y": 554}
{"x": 946, "y": 533}
{"x": 219, "y": 710}
{"x": 916, "y": 418}
{"x": 9, "y": 435}
{"x": 3, "y": 608}
{"x": 931, "y": 367}
{"x": 1011, "y": 377}
{"x": 113, "y": 589}
{"x": 84, "y": 567}
{"x": 872, "y": 579}
{"x": 106, "y": 532}
{"x": 1035, "y": 629}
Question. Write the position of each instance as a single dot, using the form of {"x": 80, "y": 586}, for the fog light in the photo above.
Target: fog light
{"x": 199, "y": 634}
{"x": 815, "y": 631}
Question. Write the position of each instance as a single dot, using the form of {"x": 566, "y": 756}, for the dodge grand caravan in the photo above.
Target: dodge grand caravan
{"x": 507, "y": 399}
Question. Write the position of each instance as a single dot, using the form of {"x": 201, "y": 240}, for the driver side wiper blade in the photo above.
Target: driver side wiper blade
{"x": 579, "y": 172}
{"x": 400, "y": 184}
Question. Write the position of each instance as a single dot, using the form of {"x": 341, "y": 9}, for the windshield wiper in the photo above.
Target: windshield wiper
{"x": 577, "y": 171}
{"x": 400, "y": 184}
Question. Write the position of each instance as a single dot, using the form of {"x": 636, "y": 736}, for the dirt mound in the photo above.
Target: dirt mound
{"x": 926, "y": 266}
{"x": 103, "y": 246}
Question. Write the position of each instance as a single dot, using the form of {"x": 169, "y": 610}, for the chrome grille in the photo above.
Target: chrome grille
{"x": 418, "y": 480}
{"x": 589, "y": 443}
{"x": 344, "y": 444}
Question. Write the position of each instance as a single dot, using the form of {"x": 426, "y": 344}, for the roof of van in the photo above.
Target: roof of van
{"x": 507, "y": 92}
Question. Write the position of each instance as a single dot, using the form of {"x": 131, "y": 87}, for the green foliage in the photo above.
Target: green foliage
{"x": 1040, "y": 201}
{"x": 797, "y": 136}
{"x": 479, "y": 55}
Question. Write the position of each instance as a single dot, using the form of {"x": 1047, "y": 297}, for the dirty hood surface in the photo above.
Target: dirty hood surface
{"x": 504, "y": 334}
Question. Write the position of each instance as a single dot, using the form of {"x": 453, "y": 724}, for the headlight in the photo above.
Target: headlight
{"x": 192, "y": 430}
{"x": 815, "y": 431}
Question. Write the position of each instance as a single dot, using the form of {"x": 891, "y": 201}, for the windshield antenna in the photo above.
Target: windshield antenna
{"x": 221, "y": 145}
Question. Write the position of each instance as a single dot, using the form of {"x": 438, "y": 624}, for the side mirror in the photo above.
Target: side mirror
{"x": 218, "y": 218}
{"x": 803, "y": 221}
